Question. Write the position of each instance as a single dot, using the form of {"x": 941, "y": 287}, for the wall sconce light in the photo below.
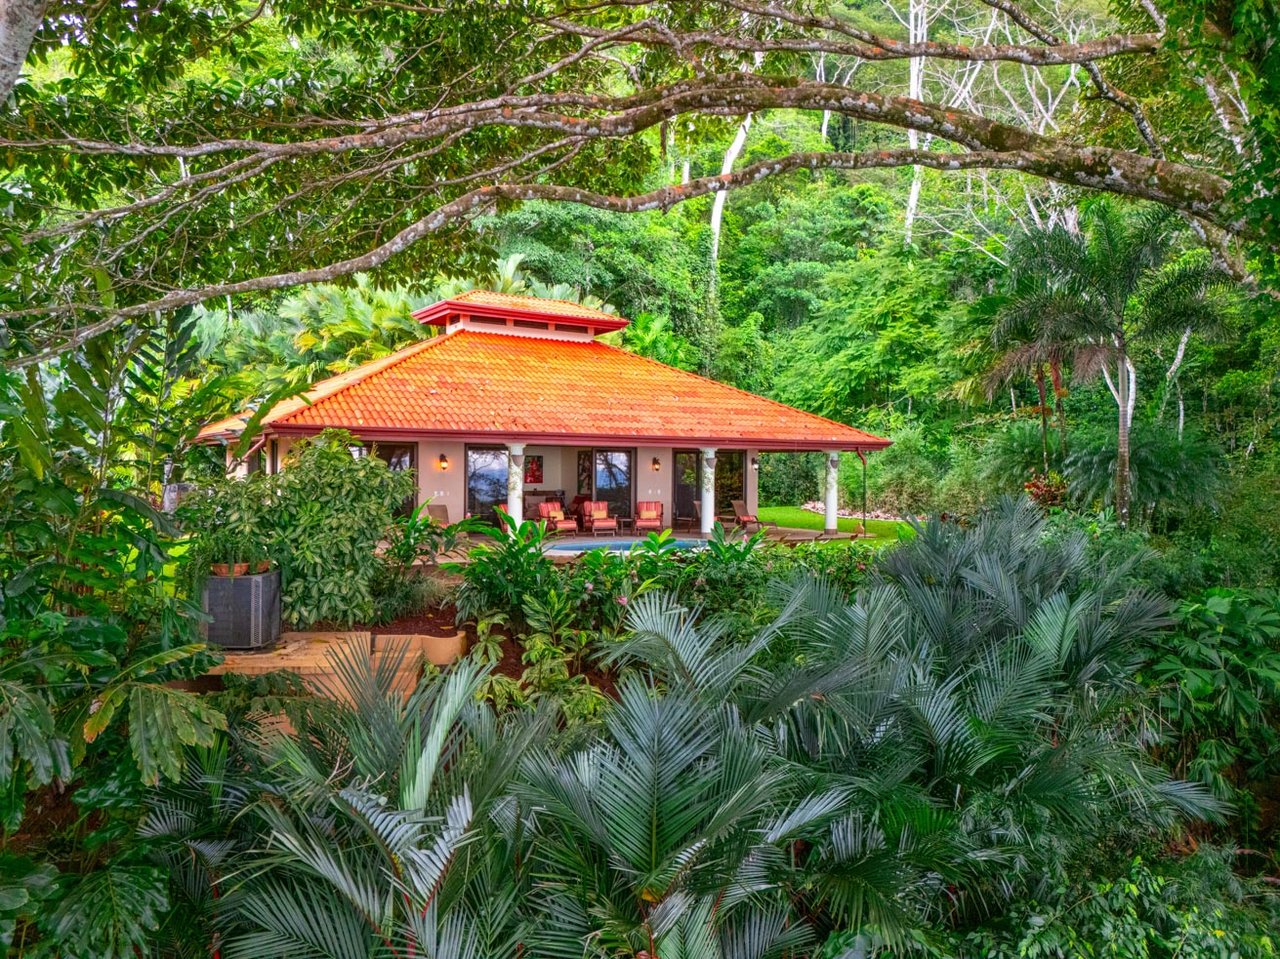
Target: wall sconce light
{"x": 444, "y": 462}
{"x": 755, "y": 463}
{"x": 657, "y": 465}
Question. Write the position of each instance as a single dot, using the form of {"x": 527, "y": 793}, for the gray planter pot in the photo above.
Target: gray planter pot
{"x": 244, "y": 610}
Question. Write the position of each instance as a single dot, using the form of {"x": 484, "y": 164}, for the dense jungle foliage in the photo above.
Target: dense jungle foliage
{"x": 1039, "y": 716}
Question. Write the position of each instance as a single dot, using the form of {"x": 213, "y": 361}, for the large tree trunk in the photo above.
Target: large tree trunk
{"x": 19, "y": 21}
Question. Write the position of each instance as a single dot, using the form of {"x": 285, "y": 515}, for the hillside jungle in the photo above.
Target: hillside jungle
{"x": 1034, "y": 713}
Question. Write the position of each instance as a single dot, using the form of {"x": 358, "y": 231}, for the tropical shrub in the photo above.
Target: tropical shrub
{"x": 330, "y": 510}
{"x": 229, "y": 521}
{"x": 1162, "y": 909}
{"x": 1218, "y": 676}
{"x": 903, "y": 479}
{"x": 845, "y": 567}
{"x": 790, "y": 479}
{"x": 728, "y": 578}
{"x": 94, "y": 630}
{"x": 1012, "y": 456}
{"x": 502, "y": 573}
{"x": 1168, "y": 473}
{"x": 964, "y": 490}
{"x": 416, "y": 536}
{"x": 1238, "y": 543}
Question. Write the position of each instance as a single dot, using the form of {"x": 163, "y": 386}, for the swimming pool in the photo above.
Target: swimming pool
{"x": 619, "y": 545}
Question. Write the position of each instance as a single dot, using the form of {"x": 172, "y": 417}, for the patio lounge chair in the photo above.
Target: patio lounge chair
{"x": 439, "y": 512}
{"x": 648, "y": 516}
{"x": 748, "y": 521}
{"x": 552, "y": 513}
{"x": 596, "y": 518}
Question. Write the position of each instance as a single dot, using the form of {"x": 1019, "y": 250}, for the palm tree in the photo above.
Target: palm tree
{"x": 1027, "y": 349}
{"x": 652, "y": 336}
{"x": 1092, "y": 295}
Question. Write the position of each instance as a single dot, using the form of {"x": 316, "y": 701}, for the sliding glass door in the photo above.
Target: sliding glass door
{"x": 731, "y": 478}
{"x": 613, "y": 479}
{"x": 688, "y": 486}
{"x": 486, "y": 481}
{"x": 730, "y": 481}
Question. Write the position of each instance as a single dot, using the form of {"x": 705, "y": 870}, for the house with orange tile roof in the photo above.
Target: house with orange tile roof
{"x": 515, "y": 401}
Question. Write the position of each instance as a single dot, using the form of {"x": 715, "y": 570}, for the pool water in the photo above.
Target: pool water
{"x": 620, "y": 545}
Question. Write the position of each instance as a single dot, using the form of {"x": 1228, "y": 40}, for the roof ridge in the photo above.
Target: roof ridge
{"x": 735, "y": 389}
{"x": 366, "y": 370}
{"x": 532, "y": 298}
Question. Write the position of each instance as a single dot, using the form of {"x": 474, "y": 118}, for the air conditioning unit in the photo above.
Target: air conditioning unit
{"x": 244, "y": 611}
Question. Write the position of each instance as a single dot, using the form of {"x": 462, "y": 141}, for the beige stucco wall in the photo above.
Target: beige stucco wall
{"x": 655, "y": 485}
{"x": 553, "y": 474}
{"x": 443, "y": 486}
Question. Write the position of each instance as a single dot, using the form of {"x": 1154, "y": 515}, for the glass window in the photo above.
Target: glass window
{"x": 400, "y": 457}
{"x": 486, "y": 481}
{"x": 613, "y": 480}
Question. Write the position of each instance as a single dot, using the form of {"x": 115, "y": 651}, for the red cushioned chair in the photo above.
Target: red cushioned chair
{"x": 552, "y": 513}
{"x": 596, "y": 518}
{"x": 649, "y": 516}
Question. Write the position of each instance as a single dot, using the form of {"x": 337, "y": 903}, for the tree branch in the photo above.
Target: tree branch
{"x": 481, "y": 198}
{"x": 883, "y": 48}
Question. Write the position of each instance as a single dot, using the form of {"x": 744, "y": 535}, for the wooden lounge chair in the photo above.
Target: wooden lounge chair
{"x": 439, "y": 512}
{"x": 748, "y": 521}
{"x": 552, "y": 513}
{"x": 596, "y": 518}
{"x": 648, "y": 516}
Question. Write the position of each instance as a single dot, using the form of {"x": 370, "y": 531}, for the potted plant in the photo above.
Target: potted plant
{"x": 228, "y": 552}
{"x": 230, "y": 539}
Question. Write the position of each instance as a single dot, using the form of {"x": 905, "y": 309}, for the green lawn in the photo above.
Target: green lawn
{"x": 796, "y": 518}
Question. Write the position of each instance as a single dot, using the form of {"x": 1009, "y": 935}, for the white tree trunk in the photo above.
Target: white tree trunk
{"x": 1171, "y": 374}
{"x": 917, "y": 32}
{"x": 717, "y": 207}
{"x": 730, "y": 158}
{"x": 19, "y": 21}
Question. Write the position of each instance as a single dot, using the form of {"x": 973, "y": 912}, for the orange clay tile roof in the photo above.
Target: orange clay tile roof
{"x": 504, "y": 387}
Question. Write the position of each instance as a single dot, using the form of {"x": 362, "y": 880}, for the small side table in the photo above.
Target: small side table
{"x": 625, "y": 524}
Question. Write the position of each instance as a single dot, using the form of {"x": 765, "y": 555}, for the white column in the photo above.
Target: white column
{"x": 708, "y": 489}
{"x": 833, "y": 490}
{"x": 515, "y": 483}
